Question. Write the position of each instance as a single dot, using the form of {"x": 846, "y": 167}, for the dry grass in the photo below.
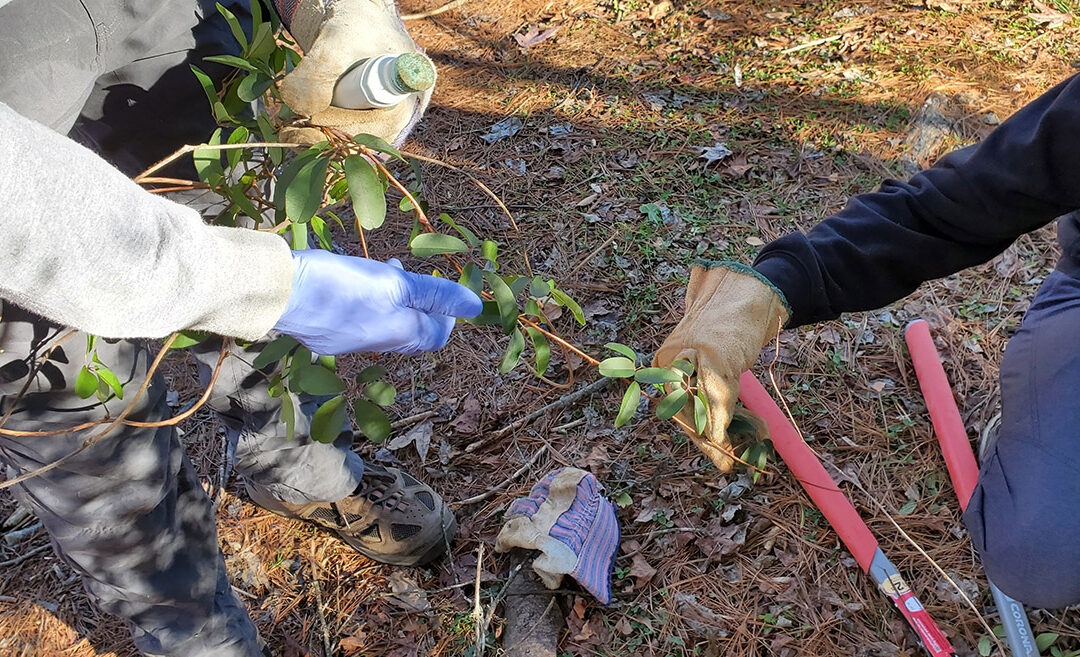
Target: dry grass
{"x": 759, "y": 575}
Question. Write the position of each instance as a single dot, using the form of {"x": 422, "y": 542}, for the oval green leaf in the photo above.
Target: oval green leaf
{"x": 539, "y": 288}
{"x": 231, "y": 60}
{"x": 469, "y": 236}
{"x": 489, "y": 316}
{"x": 288, "y": 415}
{"x": 377, "y": 144}
{"x": 322, "y": 231}
{"x": 513, "y": 352}
{"x": 371, "y": 420}
{"x": 234, "y": 25}
{"x": 684, "y": 366}
{"x": 657, "y": 375}
{"x": 617, "y": 367}
{"x": 629, "y": 404}
{"x": 622, "y": 349}
{"x": 366, "y": 190}
{"x": 186, "y": 339}
{"x": 275, "y": 351}
{"x": 208, "y": 162}
{"x": 109, "y": 378}
{"x": 304, "y": 190}
{"x": 238, "y": 136}
{"x": 252, "y": 87}
{"x": 317, "y": 380}
{"x": 701, "y": 413}
{"x": 430, "y": 244}
{"x": 541, "y": 350}
{"x": 328, "y": 421}
{"x": 671, "y": 404}
{"x": 472, "y": 278}
{"x": 380, "y": 392}
{"x": 517, "y": 284}
{"x": 504, "y": 297}
{"x": 563, "y": 299}
{"x": 86, "y": 384}
{"x": 490, "y": 251}
{"x": 1045, "y": 639}
{"x": 371, "y": 373}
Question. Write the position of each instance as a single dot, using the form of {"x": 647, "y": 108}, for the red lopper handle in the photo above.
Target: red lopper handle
{"x": 808, "y": 470}
{"x": 959, "y": 459}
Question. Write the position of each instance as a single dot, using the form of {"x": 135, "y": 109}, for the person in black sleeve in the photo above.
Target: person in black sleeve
{"x": 966, "y": 209}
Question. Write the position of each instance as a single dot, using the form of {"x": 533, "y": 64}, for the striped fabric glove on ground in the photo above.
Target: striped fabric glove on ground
{"x": 567, "y": 518}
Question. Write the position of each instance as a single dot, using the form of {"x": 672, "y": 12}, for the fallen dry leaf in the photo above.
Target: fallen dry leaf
{"x": 353, "y": 644}
{"x": 598, "y": 458}
{"x": 721, "y": 539}
{"x": 420, "y": 436}
{"x": 659, "y": 10}
{"x": 641, "y": 569}
{"x": 469, "y": 420}
{"x": 700, "y": 618}
{"x": 407, "y": 594}
{"x": 739, "y": 166}
{"x": 534, "y": 36}
{"x": 1047, "y": 16}
{"x": 579, "y": 607}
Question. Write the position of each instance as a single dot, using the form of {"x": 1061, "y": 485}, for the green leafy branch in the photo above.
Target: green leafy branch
{"x": 354, "y": 170}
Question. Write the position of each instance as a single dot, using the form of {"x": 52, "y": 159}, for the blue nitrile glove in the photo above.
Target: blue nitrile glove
{"x": 569, "y": 520}
{"x": 341, "y": 304}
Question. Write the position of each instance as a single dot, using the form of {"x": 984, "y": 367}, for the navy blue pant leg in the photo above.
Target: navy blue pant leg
{"x": 1024, "y": 516}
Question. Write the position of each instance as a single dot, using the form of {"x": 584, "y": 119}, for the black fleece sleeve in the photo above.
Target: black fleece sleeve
{"x": 963, "y": 211}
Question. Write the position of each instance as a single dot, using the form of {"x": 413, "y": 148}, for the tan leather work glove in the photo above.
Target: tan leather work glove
{"x": 732, "y": 311}
{"x": 335, "y": 34}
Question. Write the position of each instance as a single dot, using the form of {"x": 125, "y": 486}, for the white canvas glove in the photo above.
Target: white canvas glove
{"x": 335, "y": 34}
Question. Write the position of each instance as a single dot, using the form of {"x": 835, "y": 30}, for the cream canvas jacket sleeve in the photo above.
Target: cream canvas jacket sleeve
{"x": 84, "y": 246}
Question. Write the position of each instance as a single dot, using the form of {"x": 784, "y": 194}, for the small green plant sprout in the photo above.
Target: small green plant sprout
{"x": 95, "y": 379}
{"x": 673, "y": 388}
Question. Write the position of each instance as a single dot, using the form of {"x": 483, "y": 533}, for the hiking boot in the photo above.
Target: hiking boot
{"x": 391, "y": 517}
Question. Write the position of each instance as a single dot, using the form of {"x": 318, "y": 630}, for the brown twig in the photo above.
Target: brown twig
{"x": 120, "y": 419}
{"x": 412, "y": 419}
{"x": 169, "y": 181}
{"x": 478, "y": 610}
{"x": 494, "y": 489}
{"x": 363, "y": 241}
{"x": 191, "y": 148}
{"x": 133, "y": 423}
{"x": 323, "y": 625}
{"x": 564, "y": 343}
{"x": 176, "y": 188}
{"x": 434, "y": 12}
{"x": 23, "y": 557}
{"x": 561, "y": 402}
{"x": 484, "y": 188}
{"x": 373, "y": 156}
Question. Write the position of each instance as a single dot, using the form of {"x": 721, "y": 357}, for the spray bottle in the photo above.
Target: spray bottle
{"x": 384, "y": 81}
